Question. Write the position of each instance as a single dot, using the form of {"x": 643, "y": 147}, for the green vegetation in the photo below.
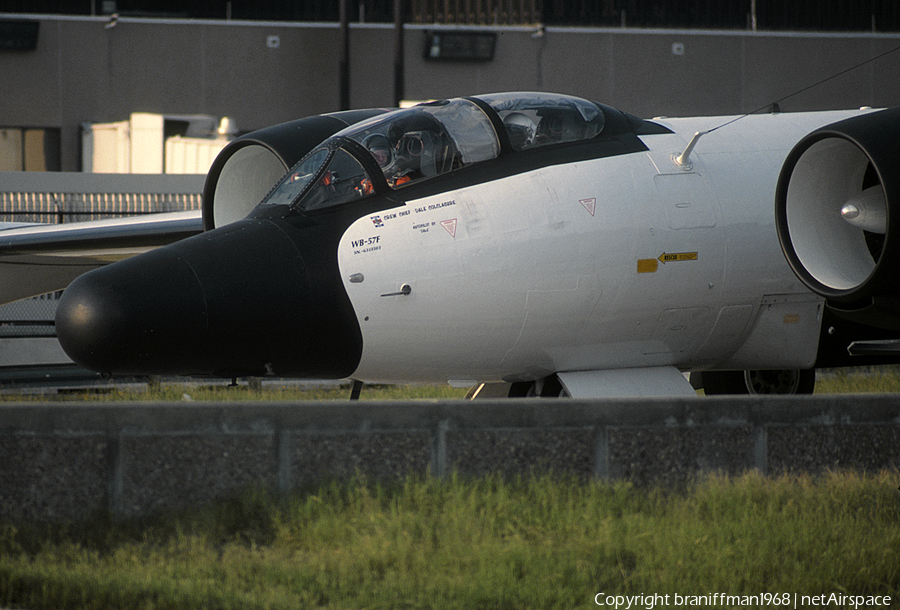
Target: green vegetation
{"x": 880, "y": 380}
{"x": 868, "y": 380}
{"x": 538, "y": 542}
{"x": 181, "y": 392}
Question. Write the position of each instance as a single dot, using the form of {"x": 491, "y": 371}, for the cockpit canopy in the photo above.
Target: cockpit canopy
{"x": 539, "y": 119}
{"x": 409, "y": 145}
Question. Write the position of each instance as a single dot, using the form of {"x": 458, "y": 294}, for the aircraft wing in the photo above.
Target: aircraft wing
{"x": 39, "y": 258}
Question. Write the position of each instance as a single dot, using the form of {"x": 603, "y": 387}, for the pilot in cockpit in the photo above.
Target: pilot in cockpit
{"x": 383, "y": 153}
{"x": 413, "y": 146}
{"x": 396, "y": 168}
{"x": 380, "y": 149}
{"x": 520, "y": 129}
{"x": 421, "y": 145}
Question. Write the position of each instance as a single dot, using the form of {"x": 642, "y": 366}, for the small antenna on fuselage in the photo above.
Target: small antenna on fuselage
{"x": 684, "y": 158}
{"x": 684, "y": 161}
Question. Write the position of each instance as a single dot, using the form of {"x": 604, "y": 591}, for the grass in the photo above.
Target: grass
{"x": 537, "y": 542}
{"x": 185, "y": 392}
{"x": 881, "y": 380}
{"x": 864, "y": 380}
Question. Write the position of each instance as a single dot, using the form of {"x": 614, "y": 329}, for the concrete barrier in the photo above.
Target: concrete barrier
{"x": 72, "y": 460}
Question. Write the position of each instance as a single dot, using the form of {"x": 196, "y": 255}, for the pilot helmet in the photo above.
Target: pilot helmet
{"x": 380, "y": 149}
{"x": 520, "y": 128}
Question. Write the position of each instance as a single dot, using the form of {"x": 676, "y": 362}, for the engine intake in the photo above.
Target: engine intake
{"x": 837, "y": 212}
{"x": 245, "y": 170}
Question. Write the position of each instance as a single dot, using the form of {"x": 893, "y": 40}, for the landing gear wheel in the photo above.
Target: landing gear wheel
{"x": 548, "y": 387}
{"x": 759, "y": 381}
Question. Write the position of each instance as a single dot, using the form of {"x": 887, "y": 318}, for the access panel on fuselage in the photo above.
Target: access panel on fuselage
{"x": 682, "y": 261}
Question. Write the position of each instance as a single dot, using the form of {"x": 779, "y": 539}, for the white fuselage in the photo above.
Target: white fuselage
{"x": 618, "y": 262}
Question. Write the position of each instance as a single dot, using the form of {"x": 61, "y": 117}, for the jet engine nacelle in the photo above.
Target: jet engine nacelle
{"x": 837, "y": 211}
{"x": 245, "y": 170}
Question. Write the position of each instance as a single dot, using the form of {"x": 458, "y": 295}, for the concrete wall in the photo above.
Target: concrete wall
{"x": 83, "y": 71}
{"x": 70, "y": 460}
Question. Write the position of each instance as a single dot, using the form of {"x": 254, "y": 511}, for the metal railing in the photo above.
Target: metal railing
{"x": 29, "y": 318}
{"x": 76, "y": 207}
{"x": 478, "y": 12}
{"x": 57, "y": 197}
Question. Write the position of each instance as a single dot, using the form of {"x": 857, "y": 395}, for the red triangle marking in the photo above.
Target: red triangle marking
{"x": 450, "y": 225}
{"x": 589, "y": 204}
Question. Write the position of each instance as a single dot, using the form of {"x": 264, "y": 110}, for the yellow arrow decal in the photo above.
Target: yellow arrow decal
{"x": 677, "y": 256}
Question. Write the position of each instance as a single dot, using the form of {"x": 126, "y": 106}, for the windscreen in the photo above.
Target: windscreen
{"x": 296, "y": 181}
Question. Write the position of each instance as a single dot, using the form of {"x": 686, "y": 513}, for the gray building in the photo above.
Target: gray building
{"x": 97, "y": 70}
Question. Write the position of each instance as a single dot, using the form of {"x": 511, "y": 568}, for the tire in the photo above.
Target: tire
{"x": 759, "y": 381}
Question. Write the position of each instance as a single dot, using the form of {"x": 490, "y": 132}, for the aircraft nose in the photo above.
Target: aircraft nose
{"x": 121, "y": 317}
{"x": 241, "y": 300}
